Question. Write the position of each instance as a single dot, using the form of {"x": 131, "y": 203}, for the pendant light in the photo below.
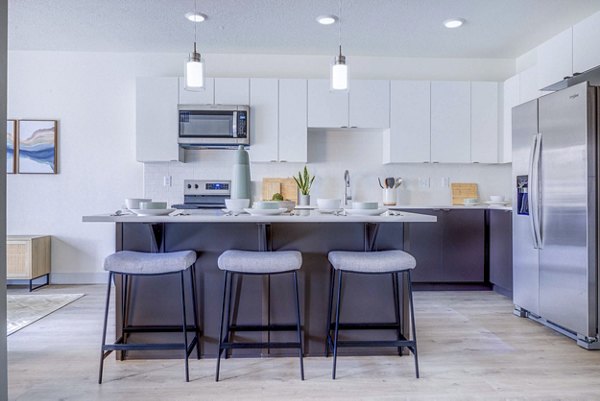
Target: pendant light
{"x": 339, "y": 68}
{"x": 194, "y": 67}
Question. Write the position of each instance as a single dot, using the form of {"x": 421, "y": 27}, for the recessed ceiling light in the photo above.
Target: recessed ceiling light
{"x": 454, "y": 23}
{"x": 195, "y": 17}
{"x": 327, "y": 19}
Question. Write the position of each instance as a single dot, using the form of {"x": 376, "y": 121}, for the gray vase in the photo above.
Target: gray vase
{"x": 304, "y": 200}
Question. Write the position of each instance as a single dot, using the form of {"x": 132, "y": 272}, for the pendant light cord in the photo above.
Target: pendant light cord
{"x": 195, "y": 23}
{"x": 340, "y": 27}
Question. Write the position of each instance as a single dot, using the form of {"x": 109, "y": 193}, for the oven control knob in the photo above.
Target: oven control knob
{"x": 189, "y": 186}
{"x": 196, "y": 186}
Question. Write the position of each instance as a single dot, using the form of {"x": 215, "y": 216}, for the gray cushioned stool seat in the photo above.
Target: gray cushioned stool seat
{"x": 372, "y": 262}
{"x": 130, "y": 262}
{"x": 260, "y": 262}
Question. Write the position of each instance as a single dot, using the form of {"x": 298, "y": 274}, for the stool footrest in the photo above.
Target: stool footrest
{"x": 365, "y": 326}
{"x": 272, "y": 327}
{"x": 381, "y": 343}
{"x": 145, "y": 346}
{"x": 158, "y": 329}
{"x": 260, "y": 345}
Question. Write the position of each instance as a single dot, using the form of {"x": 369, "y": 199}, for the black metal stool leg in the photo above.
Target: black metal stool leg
{"x": 230, "y": 306}
{"x": 124, "y": 311}
{"x": 396, "y": 286}
{"x": 337, "y": 323}
{"x": 299, "y": 326}
{"x": 412, "y": 322}
{"x": 195, "y": 309}
{"x": 330, "y": 305}
{"x": 184, "y": 329}
{"x": 102, "y": 356}
{"x": 221, "y": 326}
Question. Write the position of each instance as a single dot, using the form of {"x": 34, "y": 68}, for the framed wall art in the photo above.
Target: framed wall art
{"x": 11, "y": 138}
{"x": 37, "y": 147}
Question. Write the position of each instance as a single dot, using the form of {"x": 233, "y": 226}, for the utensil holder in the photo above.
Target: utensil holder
{"x": 389, "y": 196}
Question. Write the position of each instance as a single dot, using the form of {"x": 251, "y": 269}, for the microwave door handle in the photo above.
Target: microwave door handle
{"x": 234, "y": 124}
{"x": 531, "y": 191}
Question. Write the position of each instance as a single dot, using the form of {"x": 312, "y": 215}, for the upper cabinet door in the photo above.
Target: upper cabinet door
{"x": 409, "y": 137}
{"x": 484, "y": 122}
{"x": 510, "y": 99}
{"x": 326, "y": 108}
{"x": 555, "y": 59}
{"x": 528, "y": 85}
{"x": 586, "y": 46}
{"x": 369, "y": 103}
{"x": 204, "y": 96}
{"x": 451, "y": 122}
{"x": 263, "y": 119}
{"x": 157, "y": 122}
{"x": 293, "y": 131}
{"x": 232, "y": 91}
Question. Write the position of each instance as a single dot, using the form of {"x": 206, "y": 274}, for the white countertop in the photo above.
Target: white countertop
{"x": 313, "y": 217}
{"x": 443, "y": 207}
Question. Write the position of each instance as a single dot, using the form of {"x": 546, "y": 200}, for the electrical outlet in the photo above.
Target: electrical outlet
{"x": 445, "y": 182}
{"x": 167, "y": 181}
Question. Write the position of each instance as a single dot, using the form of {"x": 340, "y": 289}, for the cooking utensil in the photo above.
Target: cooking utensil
{"x": 389, "y": 182}
{"x": 398, "y": 182}
{"x": 379, "y": 181}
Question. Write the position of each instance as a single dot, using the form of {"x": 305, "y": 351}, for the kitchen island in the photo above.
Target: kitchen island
{"x": 155, "y": 299}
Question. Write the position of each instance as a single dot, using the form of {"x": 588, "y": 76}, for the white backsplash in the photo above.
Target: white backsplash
{"x": 329, "y": 154}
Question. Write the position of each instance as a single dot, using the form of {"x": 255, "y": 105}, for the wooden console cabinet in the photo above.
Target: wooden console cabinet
{"x": 28, "y": 258}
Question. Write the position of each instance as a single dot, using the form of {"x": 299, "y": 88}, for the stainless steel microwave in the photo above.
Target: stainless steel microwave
{"x": 213, "y": 125}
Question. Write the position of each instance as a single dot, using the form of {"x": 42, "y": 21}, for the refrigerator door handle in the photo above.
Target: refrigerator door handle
{"x": 532, "y": 192}
{"x": 538, "y": 200}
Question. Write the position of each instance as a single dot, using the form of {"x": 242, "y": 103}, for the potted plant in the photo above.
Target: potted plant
{"x": 304, "y": 182}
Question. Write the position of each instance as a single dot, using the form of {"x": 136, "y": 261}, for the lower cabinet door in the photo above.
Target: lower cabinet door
{"x": 426, "y": 245}
{"x": 501, "y": 249}
{"x": 463, "y": 253}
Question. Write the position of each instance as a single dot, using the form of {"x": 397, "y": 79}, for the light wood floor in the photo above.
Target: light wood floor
{"x": 471, "y": 348}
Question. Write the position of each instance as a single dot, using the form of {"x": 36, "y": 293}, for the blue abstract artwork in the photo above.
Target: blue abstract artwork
{"x": 37, "y": 147}
{"x": 11, "y": 130}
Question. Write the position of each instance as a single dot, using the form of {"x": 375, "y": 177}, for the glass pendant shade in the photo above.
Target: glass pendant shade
{"x": 339, "y": 74}
{"x": 194, "y": 72}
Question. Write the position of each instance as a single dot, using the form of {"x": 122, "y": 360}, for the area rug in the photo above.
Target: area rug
{"x": 22, "y": 310}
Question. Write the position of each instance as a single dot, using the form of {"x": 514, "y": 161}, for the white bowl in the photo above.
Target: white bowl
{"x": 134, "y": 203}
{"x": 153, "y": 205}
{"x": 365, "y": 205}
{"x": 470, "y": 201}
{"x": 288, "y": 205}
{"x": 497, "y": 198}
{"x": 237, "y": 205}
{"x": 329, "y": 204}
{"x": 266, "y": 205}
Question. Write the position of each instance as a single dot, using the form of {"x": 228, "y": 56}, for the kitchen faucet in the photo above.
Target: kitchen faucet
{"x": 347, "y": 196}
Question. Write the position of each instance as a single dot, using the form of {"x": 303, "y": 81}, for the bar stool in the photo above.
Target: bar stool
{"x": 257, "y": 263}
{"x": 128, "y": 264}
{"x": 383, "y": 262}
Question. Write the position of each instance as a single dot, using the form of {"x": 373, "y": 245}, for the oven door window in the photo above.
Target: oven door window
{"x": 212, "y": 124}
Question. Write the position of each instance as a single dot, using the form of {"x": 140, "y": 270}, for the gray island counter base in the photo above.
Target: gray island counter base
{"x": 154, "y": 298}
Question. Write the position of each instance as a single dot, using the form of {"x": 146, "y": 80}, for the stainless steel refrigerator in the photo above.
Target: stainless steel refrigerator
{"x": 555, "y": 222}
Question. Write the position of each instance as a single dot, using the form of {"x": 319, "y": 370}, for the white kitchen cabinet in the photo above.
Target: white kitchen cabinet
{"x": 408, "y": 139}
{"x": 555, "y": 59}
{"x": 586, "y": 46}
{"x": 528, "y": 85}
{"x": 510, "y": 99}
{"x": 264, "y": 94}
{"x": 293, "y": 129}
{"x": 204, "y": 96}
{"x": 326, "y": 109}
{"x": 232, "y": 91}
{"x": 369, "y": 104}
{"x": 156, "y": 119}
{"x": 484, "y": 122}
{"x": 450, "y": 122}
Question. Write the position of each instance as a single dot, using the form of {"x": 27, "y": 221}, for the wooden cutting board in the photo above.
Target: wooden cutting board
{"x": 284, "y": 186}
{"x": 461, "y": 191}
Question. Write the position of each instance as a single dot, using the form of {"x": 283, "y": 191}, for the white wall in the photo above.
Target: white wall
{"x": 93, "y": 97}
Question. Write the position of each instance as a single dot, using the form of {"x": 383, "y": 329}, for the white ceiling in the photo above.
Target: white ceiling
{"x": 403, "y": 28}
